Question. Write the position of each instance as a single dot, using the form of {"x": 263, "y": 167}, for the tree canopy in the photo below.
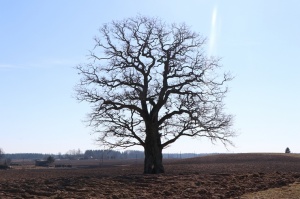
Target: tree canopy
{"x": 150, "y": 83}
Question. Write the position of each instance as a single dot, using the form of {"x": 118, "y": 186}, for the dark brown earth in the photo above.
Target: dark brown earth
{"x": 217, "y": 176}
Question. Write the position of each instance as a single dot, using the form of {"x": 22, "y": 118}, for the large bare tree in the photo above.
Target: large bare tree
{"x": 150, "y": 83}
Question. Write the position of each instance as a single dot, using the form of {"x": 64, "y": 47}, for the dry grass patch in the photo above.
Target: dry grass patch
{"x": 291, "y": 191}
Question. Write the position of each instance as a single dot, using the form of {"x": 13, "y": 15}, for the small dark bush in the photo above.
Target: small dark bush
{"x": 4, "y": 166}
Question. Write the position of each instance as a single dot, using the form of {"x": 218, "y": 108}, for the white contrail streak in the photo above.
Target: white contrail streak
{"x": 213, "y": 32}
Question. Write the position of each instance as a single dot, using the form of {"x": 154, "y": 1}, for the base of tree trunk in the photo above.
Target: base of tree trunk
{"x": 153, "y": 163}
{"x": 155, "y": 170}
{"x": 158, "y": 170}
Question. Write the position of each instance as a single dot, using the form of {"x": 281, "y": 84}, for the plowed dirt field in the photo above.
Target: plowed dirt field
{"x": 215, "y": 176}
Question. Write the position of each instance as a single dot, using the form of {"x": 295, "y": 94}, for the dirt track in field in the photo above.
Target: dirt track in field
{"x": 217, "y": 176}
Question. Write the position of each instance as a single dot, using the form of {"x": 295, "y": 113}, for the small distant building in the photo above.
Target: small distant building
{"x": 42, "y": 163}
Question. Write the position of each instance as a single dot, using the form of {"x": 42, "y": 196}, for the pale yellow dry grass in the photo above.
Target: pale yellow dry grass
{"x": 287, "y": 192}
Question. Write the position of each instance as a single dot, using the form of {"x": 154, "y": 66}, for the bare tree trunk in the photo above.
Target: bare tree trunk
{"x": 153, "y": 154}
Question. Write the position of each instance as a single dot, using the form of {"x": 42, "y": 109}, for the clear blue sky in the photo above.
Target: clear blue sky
{"x": 41, "y": 42}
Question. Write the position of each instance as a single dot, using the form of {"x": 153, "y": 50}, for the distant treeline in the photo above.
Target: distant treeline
{"x": 112, "y": 154}
{"x": 30, "y": 156}
{"x": 132, "y": 154}
{"x": 97, "y": 154}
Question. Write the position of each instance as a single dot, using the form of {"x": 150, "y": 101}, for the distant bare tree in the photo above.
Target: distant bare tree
{"x": 150, "y": 83}
{"x": 1, "y": 154}
{"x": 50, "y": 159}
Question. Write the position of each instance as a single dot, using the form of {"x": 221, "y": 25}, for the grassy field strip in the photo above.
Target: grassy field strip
{"x": 291, "y": 191}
